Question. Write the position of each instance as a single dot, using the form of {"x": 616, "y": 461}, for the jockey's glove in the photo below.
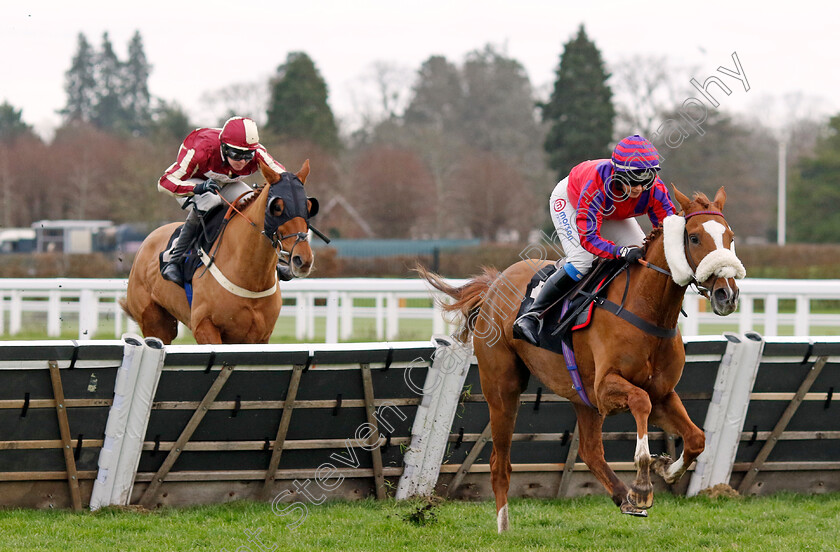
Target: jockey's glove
{"x": 208, "y": 185}
{"x": 631, "y": 254}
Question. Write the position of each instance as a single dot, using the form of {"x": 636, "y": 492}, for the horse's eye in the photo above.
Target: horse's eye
{"x": 693, "y": 239}
{"x": 277, "y": 207}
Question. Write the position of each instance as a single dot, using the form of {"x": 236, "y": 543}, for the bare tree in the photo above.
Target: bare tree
{"x": 645, "y": 87}
{"x": 247, "y": 99}
{"x": 378, "y": 95}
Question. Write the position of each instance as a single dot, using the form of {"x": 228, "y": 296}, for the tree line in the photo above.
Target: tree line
{"x": 472, "y": 151}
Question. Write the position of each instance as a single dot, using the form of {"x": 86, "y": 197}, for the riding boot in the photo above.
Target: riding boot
{"x": 173, "y": 270}
{"x": 527, "y": 326}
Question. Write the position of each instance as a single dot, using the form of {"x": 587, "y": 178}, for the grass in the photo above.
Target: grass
{"x": 777, "y": 523}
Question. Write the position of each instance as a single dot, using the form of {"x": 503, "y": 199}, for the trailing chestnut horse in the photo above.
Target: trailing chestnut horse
{"x": 238, "y": 299}
{"x": 621, "y": 366}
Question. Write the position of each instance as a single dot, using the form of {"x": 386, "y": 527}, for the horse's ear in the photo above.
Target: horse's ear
{"x": 268, "y": 173}
{"x": 682, "y": 199}
{"x": 303, "y": 172}
{"x": 720, "y": 198}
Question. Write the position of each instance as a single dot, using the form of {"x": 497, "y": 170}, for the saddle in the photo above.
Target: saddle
{"x": 574, "y": 311}
{"x": 211, "y": 226}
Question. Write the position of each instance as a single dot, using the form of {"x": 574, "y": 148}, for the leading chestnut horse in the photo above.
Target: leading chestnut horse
{"x": 621, "y": 366}
{"x": 238, "y": 299}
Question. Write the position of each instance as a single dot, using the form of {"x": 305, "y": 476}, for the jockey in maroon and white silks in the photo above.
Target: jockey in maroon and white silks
{"x": 593, "y": 210}
{"x": 200, "y": 157}
{"x": 210, "y": 166}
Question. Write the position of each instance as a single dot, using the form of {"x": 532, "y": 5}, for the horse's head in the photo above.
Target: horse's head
{"x": 287, "y": 213}
{"x": 700, "y": 248}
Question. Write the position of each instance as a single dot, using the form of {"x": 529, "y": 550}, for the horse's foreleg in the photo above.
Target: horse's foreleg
{"x": 591, "y": 451}
{"x": 670, "y": 415}
{"x": 205, "y": 332}
{"x": 616, "y": 393}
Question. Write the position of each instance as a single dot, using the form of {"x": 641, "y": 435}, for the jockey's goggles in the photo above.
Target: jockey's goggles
{"x": 643, "y": 178}
{"x": 237, "y": 154}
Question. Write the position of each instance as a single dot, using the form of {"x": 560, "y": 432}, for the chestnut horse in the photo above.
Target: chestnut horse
{"x": 621, "y": 367}
{"x": 238, "y": 299}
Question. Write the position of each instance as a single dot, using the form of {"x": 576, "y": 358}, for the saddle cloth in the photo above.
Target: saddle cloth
{"x": 583, "y": 293}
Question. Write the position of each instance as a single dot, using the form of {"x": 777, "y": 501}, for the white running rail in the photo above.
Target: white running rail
{"x": 92, "y": 304}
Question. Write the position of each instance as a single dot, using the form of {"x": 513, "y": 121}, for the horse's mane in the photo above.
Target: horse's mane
{"x": 655, "y": 233}
{"x": 249, "y": 199}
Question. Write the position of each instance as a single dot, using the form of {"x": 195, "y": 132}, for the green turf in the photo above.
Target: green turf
{"x": 780, "y": 522}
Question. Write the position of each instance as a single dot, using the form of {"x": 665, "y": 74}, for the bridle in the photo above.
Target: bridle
{"x": 701, "y": 289}
{"x": 274, "y": 239}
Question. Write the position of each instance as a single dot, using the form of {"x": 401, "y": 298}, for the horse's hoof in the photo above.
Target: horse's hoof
{"x": 629, "y": 509}
{"x": 640, "y": 498}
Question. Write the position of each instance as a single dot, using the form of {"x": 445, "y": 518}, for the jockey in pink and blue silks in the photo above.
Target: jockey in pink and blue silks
{"x": 593, "y": 210}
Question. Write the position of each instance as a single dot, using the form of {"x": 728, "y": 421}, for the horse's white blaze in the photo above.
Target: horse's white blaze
{"x": 721, "y": 262}
{"x": 502, "y": 519}
{"x": 642, "y": 449}
{"x": 675, "y": 470}
{"x": 715, "y": 230}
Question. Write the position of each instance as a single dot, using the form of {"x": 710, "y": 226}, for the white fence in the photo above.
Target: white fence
{"x": 343, "y": 302}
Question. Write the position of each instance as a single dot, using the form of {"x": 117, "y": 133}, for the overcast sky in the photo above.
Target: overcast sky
{"x": 197, "y": 46}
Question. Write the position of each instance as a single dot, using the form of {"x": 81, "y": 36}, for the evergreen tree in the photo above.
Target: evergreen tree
{"x": 108, "y": 112}
{"x": 437, "y": 96}
{"x": 135, "y": 93}
{"x": 12, "y": 126}
{"x": 580, "y": 110}
{"x": 298, "y": 107}
{"x": 814, "y": 192}
{"x": 171, "y": 123}
{"x": 80, "y": 84}
{"x": 498, "y": 114}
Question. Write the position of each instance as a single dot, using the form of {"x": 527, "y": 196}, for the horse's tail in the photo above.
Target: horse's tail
{"x": 468, "y": 298}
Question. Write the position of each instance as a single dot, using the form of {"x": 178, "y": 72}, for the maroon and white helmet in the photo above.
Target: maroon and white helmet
{"x": 240, "y": 133}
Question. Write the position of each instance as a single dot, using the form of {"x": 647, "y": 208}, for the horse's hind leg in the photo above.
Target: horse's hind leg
{"x": 155, "y": 321}
{"x": 591, "y": 451}
{"x": 503, "y": 377}
{"x": 671, "y": 416}
{"x": 614, "y": 394}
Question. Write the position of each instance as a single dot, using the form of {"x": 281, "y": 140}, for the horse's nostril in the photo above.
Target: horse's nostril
{"x": 298, "y": 261}
{"x": 721, "y": 294}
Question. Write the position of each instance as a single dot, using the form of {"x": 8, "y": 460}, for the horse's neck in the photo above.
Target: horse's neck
{"x": 656, "y": 297}
{"x": 244, "y": 251}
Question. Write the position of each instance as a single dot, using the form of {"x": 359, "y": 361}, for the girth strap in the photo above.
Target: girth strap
{"x": 640, "y": 323}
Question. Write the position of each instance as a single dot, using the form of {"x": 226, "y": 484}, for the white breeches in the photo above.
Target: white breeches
{"x": 205, "y": 202}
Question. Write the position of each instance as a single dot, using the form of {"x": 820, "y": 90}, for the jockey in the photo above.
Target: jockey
{"x": 593, "y": 210}
{"x": 211, "y": 162}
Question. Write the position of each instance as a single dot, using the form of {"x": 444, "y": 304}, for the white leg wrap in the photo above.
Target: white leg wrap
{"x": 502, "y": 519}
{"x": 642, "y": 449}
{"x": 675, "y": 470}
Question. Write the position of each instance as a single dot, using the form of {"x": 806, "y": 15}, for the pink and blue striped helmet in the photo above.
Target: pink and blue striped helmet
{"x": 635, "y": 153}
